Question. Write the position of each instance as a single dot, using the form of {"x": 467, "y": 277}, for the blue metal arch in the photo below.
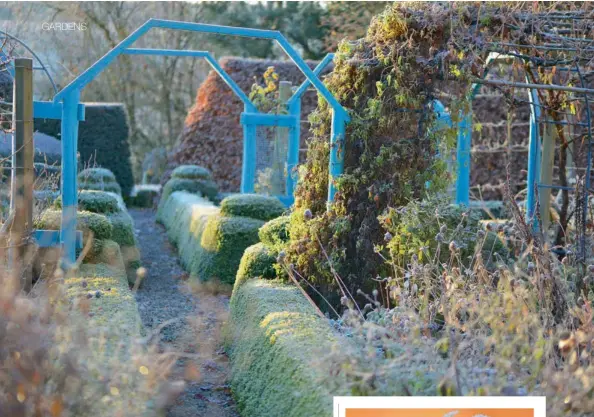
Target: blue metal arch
{"x": 70, "y": 98}
{"x": 464, "y": 144}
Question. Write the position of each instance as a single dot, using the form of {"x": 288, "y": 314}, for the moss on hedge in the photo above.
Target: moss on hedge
{"x": 255, "y": 206}
{"x": 275, "y": 233}
{"x": 276, "y": 344}
{"x": 192, "y": 172}
{"x": 94, "y": 201}
{"x": 257, "y": 262}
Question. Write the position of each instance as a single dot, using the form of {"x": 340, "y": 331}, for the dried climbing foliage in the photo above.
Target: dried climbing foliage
{"x": 412, "y": 54}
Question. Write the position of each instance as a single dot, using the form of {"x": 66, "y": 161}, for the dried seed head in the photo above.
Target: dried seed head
{"x": 281, "y": 256}
{"x": 307, "y": 214}
{"x": 530, "y": 267}
{"x": 566, "y": 342}
{"x": 453, "y": 246}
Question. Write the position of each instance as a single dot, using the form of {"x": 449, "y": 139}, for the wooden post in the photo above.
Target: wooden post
{"x": 546, "y": 175}
{"x": 22, "y": 172}
{"x": 280, "y": 143}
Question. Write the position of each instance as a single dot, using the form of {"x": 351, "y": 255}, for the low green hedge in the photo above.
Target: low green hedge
{"x": 275, "y": 233}
{"x": 94, "y": 201}
{"x": 257, "y": 262}
{"x": 113, "y": 187}
{"x": 96, "y": 175}
{"x": 87, "y": 221}
{"x": 223, "y": 242}
{"x": 116, "y": 307}
{"x": 210, "y": 245}
{"x": 276, "y": 344}
{"x": 205, "y": 188}
{"x": 192, "y": 172}
{"x": 255, "y": 206}
{"x": 144, "y": 195}
{"x": 104, "y": 214}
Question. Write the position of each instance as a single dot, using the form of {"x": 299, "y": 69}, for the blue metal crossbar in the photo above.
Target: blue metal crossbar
{"x": 70, "y": 98}
{"x": 260, "y": 119}
{"x": 51, "y": 238}
{"x": 198, "y": 54}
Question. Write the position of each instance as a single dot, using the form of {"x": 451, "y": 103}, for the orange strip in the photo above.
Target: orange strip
{"x": 439, "y": 412}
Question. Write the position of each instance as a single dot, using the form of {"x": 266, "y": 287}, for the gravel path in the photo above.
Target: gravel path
{"x": 198, "y": 316}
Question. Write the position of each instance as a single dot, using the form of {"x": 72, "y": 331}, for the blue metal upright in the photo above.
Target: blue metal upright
{"x": 69, "y": 172}
{"x": 70, "y": 96}
{"x": 465, "y": 140}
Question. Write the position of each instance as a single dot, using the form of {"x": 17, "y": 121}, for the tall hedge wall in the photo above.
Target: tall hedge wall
{"x": 102, "y": 140}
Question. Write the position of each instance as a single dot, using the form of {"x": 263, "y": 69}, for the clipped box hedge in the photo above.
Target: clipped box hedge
{"x": 103, "y": 139}
{"x": 88, "y": 222}
{"x": 144, "y": 195}
{"x": 98, "y": 179}
{"x": 116, "y": 306}
{"x": 94, "y": 201}
{"x": 104, "y": 214}
{"x": 222, "y": 244}
{"x": 205, "y": 188}
{"x": 192, "y": 172}
{"x": 210, "y": 245}
{"x": 275, "y": 233}
{"x": 257, "y": 262}
{"x": 256, "y": 206}
{"x": 277, "y": 345}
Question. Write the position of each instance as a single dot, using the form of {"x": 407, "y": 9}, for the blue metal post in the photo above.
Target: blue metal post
{"x": 463, "y": 158}
{"x": 293, "y": 146}
{"x": 248, "y": 170}
{"x": 335, "y": 168}
{"x": 69, "y": 196}
{"x": 533, "y": 160}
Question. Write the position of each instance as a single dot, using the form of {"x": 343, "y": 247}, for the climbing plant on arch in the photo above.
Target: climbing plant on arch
{"x": 70, "y": 98}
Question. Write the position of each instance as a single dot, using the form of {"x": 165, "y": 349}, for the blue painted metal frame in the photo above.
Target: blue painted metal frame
{"x": 44, "y": 110}
{"x": 465, "y": 140}
{"x": 70, "y": 97}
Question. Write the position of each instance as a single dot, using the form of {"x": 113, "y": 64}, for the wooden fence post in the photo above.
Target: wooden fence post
{"x": 22, "y": 170}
